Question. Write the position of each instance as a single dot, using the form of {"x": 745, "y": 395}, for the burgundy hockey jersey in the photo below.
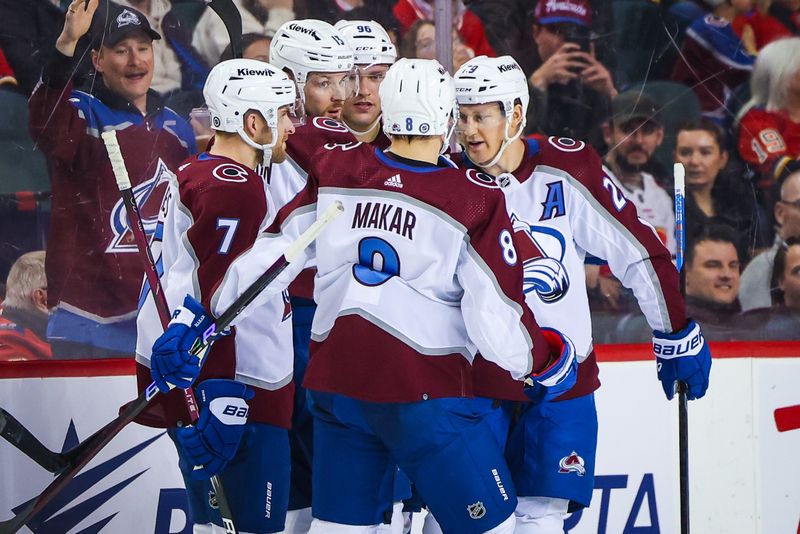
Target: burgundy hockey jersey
{"x": 214, "y": 211}
{"x": 93, "y": 269}
{"x": 289, "y": 177}
{"x": 417, "y": 275}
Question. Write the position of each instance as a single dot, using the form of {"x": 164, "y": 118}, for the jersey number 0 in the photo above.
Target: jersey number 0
{"x": 377, "y": 262}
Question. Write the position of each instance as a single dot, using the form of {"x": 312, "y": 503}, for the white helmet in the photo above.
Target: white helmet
{"x": 418, "y": 98}
{"x": 236, "y": 86}
{"x": 309, "y": 45}
{"x": 482, "y": 80}
{"x": 369, "y": 41}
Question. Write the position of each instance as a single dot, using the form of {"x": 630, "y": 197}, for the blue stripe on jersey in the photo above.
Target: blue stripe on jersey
{"x": 386, "y": 160}
{"x": 99, "y": 117}
{"x": 533, "y": 146}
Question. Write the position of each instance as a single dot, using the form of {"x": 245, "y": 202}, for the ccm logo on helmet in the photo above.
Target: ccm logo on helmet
{"x": 508, "y": 67}
{"x": 307, "y": 31}
{"x": 254, "y": 72}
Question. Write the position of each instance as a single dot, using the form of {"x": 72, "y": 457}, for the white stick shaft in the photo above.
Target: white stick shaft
{"x": 313, "y": 231}
{"x": 115, "y": 156}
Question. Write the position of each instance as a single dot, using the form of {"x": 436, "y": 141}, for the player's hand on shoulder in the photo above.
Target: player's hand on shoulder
{"x": 558, "y": 377}
{"x": 171, "y": 361}
{"x": 683, "y": 356}
{"x": 209, "y": 445}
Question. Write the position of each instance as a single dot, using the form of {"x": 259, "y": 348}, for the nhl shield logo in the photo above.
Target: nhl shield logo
{"x": 212, "y": 500}
{"x": 572, "y": 463}
{"x": 477, "y": 510}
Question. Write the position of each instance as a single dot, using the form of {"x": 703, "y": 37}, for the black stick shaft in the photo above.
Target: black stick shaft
{"x": 683, "y": 445}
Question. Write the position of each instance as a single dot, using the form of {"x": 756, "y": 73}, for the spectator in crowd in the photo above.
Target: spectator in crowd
{"x": 756, "y": 27}
{"x": 712, "y": 277}
{"x": 254, "y": 46}
{"x": 177, "y": 66}
{"x": 714, "y": 61}
{"x": 633, "y": 134}
{"x": 714, "y": 193}
{"x": 469, "y": 26}
{"x": 258, "y": 16}
{"x": 332, "y": 11}
{"x": 756, "y": 286}
{"x": 7, "y": 76}
{"x": 781, "y": 319}
{"x": 769, "y": 128}
{"x": 785, "y": 280}
{"x": 571, "y": 91}
{"x": 787, "y": 12}
{"x": 28, "y": 31}
{"x": 94, "y": 273}
{"x": 420, "y": 43}
{"x": 23, "y": 322}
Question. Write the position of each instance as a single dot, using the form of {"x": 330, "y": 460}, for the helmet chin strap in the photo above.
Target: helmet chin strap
{"x": 365, "y": 132}
{"x": 266, "y": 150}
{"x": 507, "y": 141}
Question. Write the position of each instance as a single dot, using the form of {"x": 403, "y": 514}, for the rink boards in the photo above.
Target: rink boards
{"x": 744, "y": 471}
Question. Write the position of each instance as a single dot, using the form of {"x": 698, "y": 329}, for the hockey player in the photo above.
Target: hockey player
{"x": 215, "y": 208}
{"x": 563, "y": 206}
{"x": 374, "y": 54}
{"x": 315, "y": 55}
{"x": 417, "y": 276}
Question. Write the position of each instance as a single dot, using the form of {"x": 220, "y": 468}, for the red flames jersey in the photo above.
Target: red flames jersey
{"x": 768, "y": 140}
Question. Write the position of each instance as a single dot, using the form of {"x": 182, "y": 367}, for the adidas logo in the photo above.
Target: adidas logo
{"x": 394, "y": 181}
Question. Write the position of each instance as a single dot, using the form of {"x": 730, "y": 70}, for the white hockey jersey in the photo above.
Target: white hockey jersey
{"x": 653, "y": 204}
{"x": 564, "y": 206}
{"x": 415, "y": 276}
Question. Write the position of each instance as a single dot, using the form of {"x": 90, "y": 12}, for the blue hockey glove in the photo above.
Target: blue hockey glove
{"x": 209, "y": 445}
{"x": 171, "y": 362}
{"x": 559, "y": 376}
{"x": 683, "y": 356}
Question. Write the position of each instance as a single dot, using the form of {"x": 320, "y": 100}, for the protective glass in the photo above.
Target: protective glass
{"x": 479, "y": 119}
{"x": 370, "y": 78}
{"x": 341, "y": 85}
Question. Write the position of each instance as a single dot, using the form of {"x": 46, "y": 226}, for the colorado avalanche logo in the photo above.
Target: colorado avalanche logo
{"x": 149, "y": 202}
{"x": 541, "y": 249}
{"x": 572, "y": 464}
{"x": 331, "y": 125}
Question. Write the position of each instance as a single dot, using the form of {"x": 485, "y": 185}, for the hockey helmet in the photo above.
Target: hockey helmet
{"x": 370, "y": 43}
{"x": 418, "y": 98}
{"x": 236, "y": 86}
{"x": 483, "y": 80}
{"x": 304, "y": 46}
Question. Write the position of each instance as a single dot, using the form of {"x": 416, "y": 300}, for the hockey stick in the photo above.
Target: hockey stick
{"x": 135, "y": 222}
{"x": 232, "y": 19}
{"x": 146, "y": 255}
{"x": 84, "y": 452}
{"x": 679, "y": 174}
